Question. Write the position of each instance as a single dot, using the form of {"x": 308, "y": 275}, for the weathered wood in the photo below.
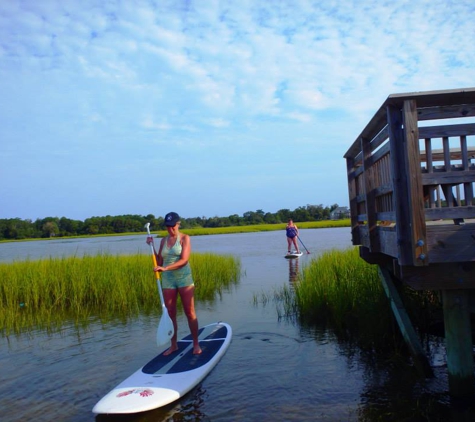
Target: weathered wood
{"x": 444, "y": 98}
{"x": 388, "y": 241}
{"x": 446, "y": 213}
{"x": 446, "y": 112}
{"x": 455, "y": 154}
{"x": 404, "y": 323}
{"x": 448, "y": 276}
{"x": 447, "y": 130}
{"x": 396, "y": 193}
{"x": 458, "y": 341}
{"x": 370, "y": 202}
{"x": 451, "y": 243}
{"x": 387, "y": 238}
{"x": 353, "y": 205}
{"x": 452, "y": 178}
{"x": 373, "y": 258}
{"x": 417, "y": 228}
{"x": 399, "y": 182}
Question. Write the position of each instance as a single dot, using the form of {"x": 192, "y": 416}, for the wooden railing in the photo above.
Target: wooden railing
{"x": 406, "y": 172}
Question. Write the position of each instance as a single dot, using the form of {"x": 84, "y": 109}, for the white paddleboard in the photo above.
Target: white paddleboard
{"x": 167, "y": 378}
{"x": 293, "y": 254}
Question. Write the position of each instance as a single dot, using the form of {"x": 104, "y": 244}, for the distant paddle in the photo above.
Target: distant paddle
{"x": 165, "y": 328}
{"x": 303, "y": 244}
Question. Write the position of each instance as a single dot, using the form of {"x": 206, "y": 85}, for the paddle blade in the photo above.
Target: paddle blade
{"x": 165, "y": 329}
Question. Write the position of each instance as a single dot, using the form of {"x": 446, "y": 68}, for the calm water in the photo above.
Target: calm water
{"x": 273, "y": 371}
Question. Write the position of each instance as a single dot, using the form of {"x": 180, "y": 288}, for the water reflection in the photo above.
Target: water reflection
{"x": 274, "y": 369}
{"x": 293, "y": 270}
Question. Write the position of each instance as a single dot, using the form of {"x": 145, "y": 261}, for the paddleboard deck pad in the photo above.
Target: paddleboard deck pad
{"x": 293, "y": 254}
{"x": 167, "y": 378}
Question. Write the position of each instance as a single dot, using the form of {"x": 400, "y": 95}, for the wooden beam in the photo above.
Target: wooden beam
{"x": 458, "y": 341}
{"x": 405, "y": 325}
{"x": 417, "y": 226}
{"x": 448, "y": 276}
{"x": 370, "y": 198}
{"x": 447, "y": 130}
{"x": 455, "y": 153}
{"x": 399, "y": 182}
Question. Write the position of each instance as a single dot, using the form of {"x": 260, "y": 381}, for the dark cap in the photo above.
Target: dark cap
{"x": 171, "y": 219}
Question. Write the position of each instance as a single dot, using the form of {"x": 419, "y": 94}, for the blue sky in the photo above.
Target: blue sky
{"x": 208, "y": 108}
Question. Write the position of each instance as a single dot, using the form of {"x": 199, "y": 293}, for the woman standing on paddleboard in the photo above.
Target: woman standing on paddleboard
{"x": 172, "y": 260}
{"x": 292, "y": 231}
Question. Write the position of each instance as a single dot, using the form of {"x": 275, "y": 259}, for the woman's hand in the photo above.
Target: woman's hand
{"x": 149, "y": 240}
{"x": 159, "y": 268}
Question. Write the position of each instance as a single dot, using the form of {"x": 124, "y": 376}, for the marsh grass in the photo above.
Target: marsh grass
{"x": 225, "y": 271}
{"x": 342, "y": 289}
{"x": 202, "y": 231}
{"x": 45, "y": 292}
{"x": 342, "y": 292}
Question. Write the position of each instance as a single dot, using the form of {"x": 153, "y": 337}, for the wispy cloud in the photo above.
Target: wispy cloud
{"x": 220, "y": 79}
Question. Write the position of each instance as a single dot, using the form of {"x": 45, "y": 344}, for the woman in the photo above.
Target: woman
{"x": 292, "y": 233}
{"x": 172, "y": 260}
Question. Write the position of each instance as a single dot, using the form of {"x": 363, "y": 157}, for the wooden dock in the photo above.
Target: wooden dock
{"x": 411, "y": 177}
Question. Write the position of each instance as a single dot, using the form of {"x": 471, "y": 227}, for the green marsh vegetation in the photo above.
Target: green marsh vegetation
{"x": 253, "y": 228}
{"x": 340, "y": 291}
{"x": 203, "y": 231}
{"x": 45, "y": 293}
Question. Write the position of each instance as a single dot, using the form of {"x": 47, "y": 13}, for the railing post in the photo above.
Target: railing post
{"x": 370, "y": 201}
{"x": 399, "y": 182}
{"x": 352, "y": 191}
{"x": 458, "y": 340}
{"x": 414, "y": 185}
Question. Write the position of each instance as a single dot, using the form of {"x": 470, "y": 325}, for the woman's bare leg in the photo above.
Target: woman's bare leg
{"x": 170, "y": 297}
{"x": 188, "y": 301}
{"x": 296, "y": 244}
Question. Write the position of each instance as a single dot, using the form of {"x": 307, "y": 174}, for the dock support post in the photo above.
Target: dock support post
{"x": 458, "y": 341}
{"x": 405, "y": 325}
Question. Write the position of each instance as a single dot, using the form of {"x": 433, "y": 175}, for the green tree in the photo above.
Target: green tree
{"x": 50, "y": 228}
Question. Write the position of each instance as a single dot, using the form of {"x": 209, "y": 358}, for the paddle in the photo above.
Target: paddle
{"x": 165, "y": 328}
{"x": 303, "y": 244}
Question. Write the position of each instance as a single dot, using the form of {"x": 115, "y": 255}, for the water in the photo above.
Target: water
{"x": 274, "y": 370}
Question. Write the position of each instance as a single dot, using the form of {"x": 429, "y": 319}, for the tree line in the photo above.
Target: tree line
{"x": 16, "y": 228}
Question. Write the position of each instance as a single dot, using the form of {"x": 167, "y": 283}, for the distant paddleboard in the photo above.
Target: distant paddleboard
{"x": 293, "y": 254}
{"x": 167, "y": 378}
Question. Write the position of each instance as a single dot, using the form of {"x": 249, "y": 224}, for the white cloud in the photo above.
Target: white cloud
{"x": 118, "y": 76}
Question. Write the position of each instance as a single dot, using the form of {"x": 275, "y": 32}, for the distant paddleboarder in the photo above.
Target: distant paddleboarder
{"x": 292, "y": 231}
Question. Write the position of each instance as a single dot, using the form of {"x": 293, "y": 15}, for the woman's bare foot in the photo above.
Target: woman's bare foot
{"x": 171, "y": 350}
{"x": 197, "y": 350}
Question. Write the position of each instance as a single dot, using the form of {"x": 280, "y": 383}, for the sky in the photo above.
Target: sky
{"x": 206, "y": 108}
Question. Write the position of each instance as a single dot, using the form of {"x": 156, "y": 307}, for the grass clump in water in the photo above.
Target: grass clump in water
{"x": 341, "y": 291}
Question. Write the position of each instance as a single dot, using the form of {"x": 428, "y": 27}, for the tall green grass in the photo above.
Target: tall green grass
{"x": 340, "y": 291}
{"x": 43, "y": 291}
{"x": 214, "y": 274}
{"x": 341, "y": 287}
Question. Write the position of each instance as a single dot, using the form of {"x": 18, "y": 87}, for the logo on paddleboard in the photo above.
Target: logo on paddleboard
{"x": 143, "y": 392}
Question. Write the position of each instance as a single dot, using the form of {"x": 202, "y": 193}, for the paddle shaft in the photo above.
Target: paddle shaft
{"x": 157, "y": 276}
{"x": 303, "y": 244}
